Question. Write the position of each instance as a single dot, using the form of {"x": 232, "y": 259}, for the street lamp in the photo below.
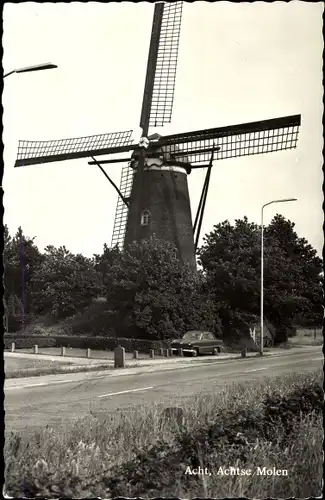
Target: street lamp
{"x": 28, "y": 69}
{"x": 262, "y": 268}
{"x": 38, "y": 67}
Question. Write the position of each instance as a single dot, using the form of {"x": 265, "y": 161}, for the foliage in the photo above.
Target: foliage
{"x": 79, "y": 342}
{"x": 135, "y": 454}
{"x": 28, "y": 342}
{"x": 21, "y": 258}
{"x": 293, "y": 281}
{"x": 64, "y": 283}
{"x": 152, "y": 295}
{"x": 235, "y": 432}
{"x": 103, "y": 263}
{"x": 281, "y": 410}
{"x": 230, "y": 258}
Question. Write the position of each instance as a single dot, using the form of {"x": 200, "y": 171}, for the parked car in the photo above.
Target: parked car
{"x": 197, "y": 342}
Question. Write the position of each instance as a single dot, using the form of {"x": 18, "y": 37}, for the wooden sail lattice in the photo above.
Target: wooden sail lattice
{"x": 34, "y": 152}
{"x": 165, "y": 72}
{"x": 121, "y": 213}
{"x": 265, "y": 136}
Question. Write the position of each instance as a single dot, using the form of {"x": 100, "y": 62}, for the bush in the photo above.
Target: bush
{"x": 95, "y": 343}
{"x": 134, "y": 454}
{"x": 233, "y": 434}
{"x": 280, "y": 410}
{"x": 28, "y": 342}
{"x": 93, "y": 321}
{"x": 15, "y": 322}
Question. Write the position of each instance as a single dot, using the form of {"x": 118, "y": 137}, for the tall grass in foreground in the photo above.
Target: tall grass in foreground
{"x": 277, "y": 422}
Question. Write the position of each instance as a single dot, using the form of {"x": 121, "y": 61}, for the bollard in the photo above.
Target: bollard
{"x": 170, "y": 351}
{"x": 244, "y": 352}
{"x": 180, "y": 352}
{"x": 166, "y": 353}
{"x": 152, "y": 353}
{"x": 119, "y": 357}
{"x": 13, "y": 346}
{"x": 62, "y": 351}
{"x": 88, "y": 353}
{"x": 35, "y": 349}
{"x": 135, "y": 354}
{"x": 161, "y": 351}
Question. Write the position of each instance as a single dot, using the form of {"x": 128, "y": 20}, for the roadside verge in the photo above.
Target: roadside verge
{"x": 104, "y": 368}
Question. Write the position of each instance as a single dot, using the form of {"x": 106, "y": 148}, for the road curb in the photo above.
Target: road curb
{"x": 117, "y": 372}
{"x": 107, "y": 370}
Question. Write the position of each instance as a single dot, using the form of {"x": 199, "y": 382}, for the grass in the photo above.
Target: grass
{"x": 140, "y": 453}
{"x": 22, "y": 367}
{"x": 306, "y": 336}
{"x": 14, "y": 366}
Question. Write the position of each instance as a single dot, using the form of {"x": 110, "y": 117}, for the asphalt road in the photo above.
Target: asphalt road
{"x": 32, "y": 406}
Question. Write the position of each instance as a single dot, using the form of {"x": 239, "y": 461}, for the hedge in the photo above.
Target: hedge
{"x": 26, "y": 342}
{"x": 95, "y": 343}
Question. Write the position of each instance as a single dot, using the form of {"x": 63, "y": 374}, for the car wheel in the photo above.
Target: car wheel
{"x": 216, "y": 351}
{"x": 196, "y": 352}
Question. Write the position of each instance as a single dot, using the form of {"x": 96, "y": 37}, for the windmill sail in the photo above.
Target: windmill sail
{"x": 158, "y": 92}
{"x": 154, "y": 189}
{"x": 162, "y": 62}
{"x": 237, "y": 140}
{"x": 121, "y": 213}
{"x": 35, "y": 152}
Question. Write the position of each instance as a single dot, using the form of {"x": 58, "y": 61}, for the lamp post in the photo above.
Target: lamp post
{"x": 38, "y": 67}
{"x": 27, "y": 69}
{"x": 262, "y": 267}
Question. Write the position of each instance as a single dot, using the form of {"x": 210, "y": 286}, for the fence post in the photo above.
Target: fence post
{"x": 166, "y": 353}
{"x": 161, "y": 351}
{"x": 152, "y": 353}
{"x": 170, "y": 351}
{"x": 244, "y": 352}
{"x": 62, "y": 351}
{"x": 180, "y": 352}
{"x": 88, "y": 353}
{"x": 135, "y": 354}
{"x": 35, "y": 349}
{"x": 119, "y": 357}
{"x": 13, "y": 345}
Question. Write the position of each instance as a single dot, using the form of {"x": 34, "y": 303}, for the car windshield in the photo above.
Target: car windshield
{"x": 192, "y": 336}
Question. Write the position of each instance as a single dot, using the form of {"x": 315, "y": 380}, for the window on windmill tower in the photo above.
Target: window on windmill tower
{"x": 145, "y": 218}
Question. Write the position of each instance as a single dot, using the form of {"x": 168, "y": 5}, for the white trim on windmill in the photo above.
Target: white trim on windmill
{"x": 144, "y": 143}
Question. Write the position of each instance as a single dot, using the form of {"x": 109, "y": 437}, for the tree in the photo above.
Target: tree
{"x": 64, "y": 283}
{"x": 104, "y": 261}
{"x": 230, "y": 257}
{"x": 301, "y": 282}
{"x": 21, "y": 259}
{"x": 152, "y": 295}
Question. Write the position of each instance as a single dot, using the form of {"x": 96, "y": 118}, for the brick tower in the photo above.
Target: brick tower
{"x": 160, "y": 205}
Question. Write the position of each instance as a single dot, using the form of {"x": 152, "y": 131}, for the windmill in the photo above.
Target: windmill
{"x": 153, "y": 197}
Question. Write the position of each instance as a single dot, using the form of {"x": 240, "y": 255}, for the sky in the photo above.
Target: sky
{"x": 238, "y": 62}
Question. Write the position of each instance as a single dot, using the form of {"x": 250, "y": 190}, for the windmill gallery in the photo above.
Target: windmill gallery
{"x": 153, "y": 197}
